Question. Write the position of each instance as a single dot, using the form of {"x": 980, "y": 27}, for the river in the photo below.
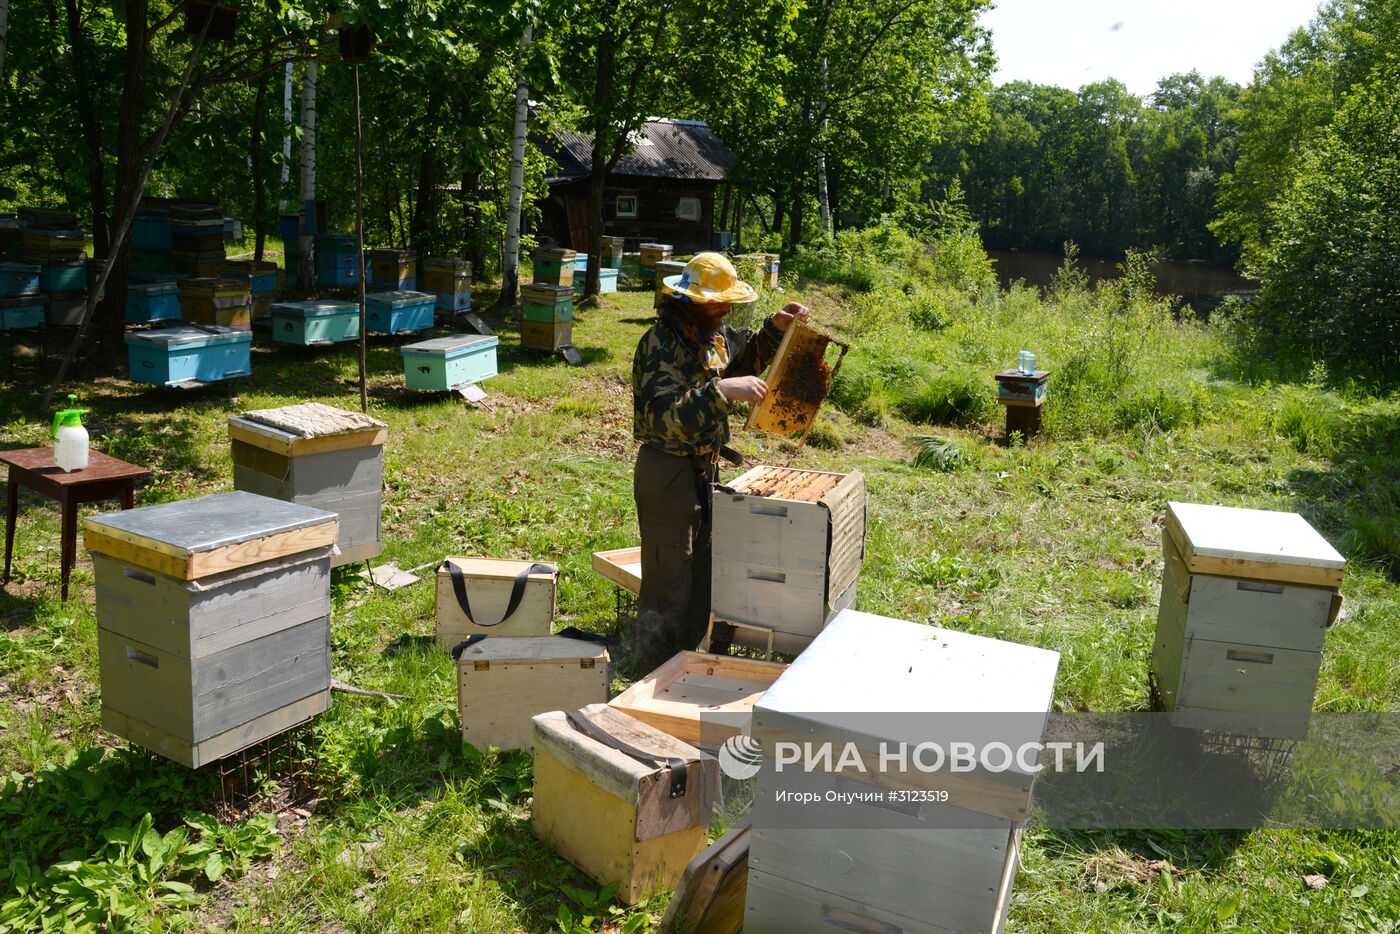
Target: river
{"x": 1200, "y": 285}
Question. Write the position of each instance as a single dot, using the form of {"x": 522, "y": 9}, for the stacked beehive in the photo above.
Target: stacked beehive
{"x": 450, "y": 282}
{"x": 391, "y": 270}
{"x": 152, "y": 301}
{"x": 547, "y": 313}
{"x": 225, "y": 302}
{"x": 289, "y": 229}
{"x": 919, "y": 868}
{"x": 315, "y": 455}
{"x": 21, "y": 302}
{"x": 213, "y": 620}
{"x": 788, "y": 548}
{"x": 336, "y": 266}
{"x": 1247, "y": 597}
{"x": 197, "y": 238}
{"x": 9, "y": 236}
{"x": 261, "y": 277}
{"x": 664, "y": 270}
{"x": 653, "y": 253}
{"x": 151, "y": 242}
{"x": 767, "y": 264}
{"x": 554, "y": 266}
{"x": 51, "y": 239}
{"x": 612, "y": 252}
{"x": 607, "y": 276}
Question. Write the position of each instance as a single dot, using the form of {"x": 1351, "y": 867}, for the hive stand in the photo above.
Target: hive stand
{"x": 1022, "y": 395}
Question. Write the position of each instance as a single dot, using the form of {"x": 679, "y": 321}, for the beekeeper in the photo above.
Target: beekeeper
{"x": 689, "y": 371}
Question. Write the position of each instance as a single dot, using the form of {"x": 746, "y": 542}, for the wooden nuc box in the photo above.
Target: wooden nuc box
{"x": 1247, "y": 596}
{"x": 213, "y": 619}
{"x": 634, "y": 817}
{"x": 319, "y": 456}
{"x": 678, "y": 697}
{"x": 494, "y": 597}
{"x": 939, "y": 867}
{"x": 788, "y": 547}
{"x": 504, "y": 681}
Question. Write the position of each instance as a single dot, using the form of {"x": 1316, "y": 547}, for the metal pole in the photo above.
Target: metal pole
{"x": 360, "y": 239}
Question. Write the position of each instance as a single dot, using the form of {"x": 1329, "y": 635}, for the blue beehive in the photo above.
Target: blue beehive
{"x": 607, "y": 281}
{"x": 22, "y": 312}
{"x": 452, "y": 301}
{"x": 18, "y": 279}
{"x": 186, "y": 353}
{"x": 336, "y": 263}
{"x": 398, "y": 312}
{"x": 315, "y": 322}
{"x": 580, "y": 263}
{"x": 64, "y": 277}
{"x": 152, "y": 301}
{"x": 445, "y": 362}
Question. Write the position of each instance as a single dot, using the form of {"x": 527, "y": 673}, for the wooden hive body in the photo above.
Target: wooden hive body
{"x": 614, "y": 817}
{"x": 315, "y": 322}
{"x": 155, "y": 301}
{"x": 952, "y": 868}
{"x": 323, "y": 458}
{"x": 213, "y": 621}
{"x": 540, "y": 335}
{"x": 678, "y": 697}
{"x": 398, "y": 312}
{"x": 489, "y": 583}
{"x": 788, "y": 547}
{"x": 504, "y": 681}
{"x": 444, "y": 362}
{"x": 1247, "y": 597}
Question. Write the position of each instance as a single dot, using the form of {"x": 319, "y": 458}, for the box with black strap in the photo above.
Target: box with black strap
{"x": 494, "y": 596}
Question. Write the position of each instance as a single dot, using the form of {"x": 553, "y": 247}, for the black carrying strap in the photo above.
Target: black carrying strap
{"x": 517, "y": 590}
{"x": 573, "y": 632}
{"x": 465, "y": 644}
{"x": 678, "y": 767}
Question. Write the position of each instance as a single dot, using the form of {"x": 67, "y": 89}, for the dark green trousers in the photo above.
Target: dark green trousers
{"x": 673, "y": 510}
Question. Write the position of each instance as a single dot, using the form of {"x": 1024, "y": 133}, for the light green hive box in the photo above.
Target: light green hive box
{"x": 314, "y": 322}
{"x": 547, "y": 304}
{"x": 444, "y": 362}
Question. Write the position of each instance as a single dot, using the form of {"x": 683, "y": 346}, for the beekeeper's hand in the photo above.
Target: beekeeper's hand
{"x": 791, "y": 310}
{"x": 743, "y": 389}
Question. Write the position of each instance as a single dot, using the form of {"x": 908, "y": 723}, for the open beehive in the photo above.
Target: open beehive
{"x": 798, "y": 383}
{"x": 677, "y": 697}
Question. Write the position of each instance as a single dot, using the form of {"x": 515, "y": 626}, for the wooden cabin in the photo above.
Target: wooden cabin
{"x": 662, "y": 190}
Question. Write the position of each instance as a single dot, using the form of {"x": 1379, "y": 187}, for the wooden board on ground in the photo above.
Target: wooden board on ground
{"x": 798, "y": 382}
{"x": 710, "y": 897}
{"x": 677, "y": 697}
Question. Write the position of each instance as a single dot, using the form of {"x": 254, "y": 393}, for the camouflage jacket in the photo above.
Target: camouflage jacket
{"x": 676, "y": 403}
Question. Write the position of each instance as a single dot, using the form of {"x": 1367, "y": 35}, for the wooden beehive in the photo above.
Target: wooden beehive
{"x": 622, "y": 566}
{"x": 798, "y": 382}
{"x": 488, "y": 585}
{"x": 921, "y": 875}
{"x": 616, "y": 818}
{"x": 788, "y": 547}
{"x": 504, "y": 681}
{"x": 699, "y": 698}
{"x": 1247, "y": 596}
{"x": 213, "y": 621}
{"x": 710, "y": 897}
{"x": 317, "y": 456}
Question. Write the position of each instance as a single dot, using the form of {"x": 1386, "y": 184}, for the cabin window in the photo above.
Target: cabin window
{"x": 626, "y": 205}
{"x": 688, "y": 209}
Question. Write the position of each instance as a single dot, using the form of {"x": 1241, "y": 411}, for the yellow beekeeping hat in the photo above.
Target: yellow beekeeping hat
{"x": 708, "y": 279}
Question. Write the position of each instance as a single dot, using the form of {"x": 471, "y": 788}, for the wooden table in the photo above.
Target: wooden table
{"x": 103, "y": 478}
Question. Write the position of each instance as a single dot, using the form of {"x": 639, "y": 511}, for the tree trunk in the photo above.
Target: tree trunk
{"x": 306, "y": 243}
{"x": 255, "y": 157}
{"x": 128, "y": 176}
{"x": 510, "y": 261}
{"x": 600, "y": 166}
{"x": 471, "y": 209}
{"x": 423, "y": 219}
{"x": 92, "y": 131}
{"x": 823, "y": 197}
{"x": 779, "y": 209}
{"x": 286, "y": 135}
{"x": 4, "y": 31}
{"x": 795, "y": 215}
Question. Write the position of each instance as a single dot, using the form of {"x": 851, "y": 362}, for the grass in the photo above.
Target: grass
{"x": 1052, "y": 542}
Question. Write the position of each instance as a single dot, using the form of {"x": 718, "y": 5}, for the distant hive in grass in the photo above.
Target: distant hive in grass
{"x": 399, "y": 312}
{"x": 449, "y": 281}
{"x": 336, "y": 266}
{"x": 616, "y": 817}
{"x": 788, "y": 547}
{"x": 652, "y": 253}
{"x": 1247, "y": 597}
{"x": 208, "y": 300}
{"x": 185, "y": 355}
{"x": 554, "y": 266}
{"x": 391, "y": 270}
{"x": 213, "y": 620}
{"x": 315, "y": 323}
{"x": 444, "y": 363}
{"x": 547, "y": 316}
{"x": 318, "y": 456}
{"x": 664, "y": 269}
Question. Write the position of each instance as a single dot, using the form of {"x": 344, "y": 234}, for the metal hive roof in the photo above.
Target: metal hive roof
{"x": 664, "y": 148}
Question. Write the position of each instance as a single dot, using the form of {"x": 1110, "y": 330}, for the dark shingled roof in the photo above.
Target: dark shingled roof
{"x": 684, "y": 149}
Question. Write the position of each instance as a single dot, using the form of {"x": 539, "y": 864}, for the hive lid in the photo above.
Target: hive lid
{"x": 191, "y": 334}
{"x": 194, "y": 538}
{"x": 656, "y": 246}
{"x": 401, "y": 297}
{"x": 452, "y": 343}
{"x": 504, "y": 569}
{"x": 24, "y": 269}
{"x": 154, "y": 288}
{"x": 316, "y": 308}
{"x": 554, "y": 255}
{"x": 547, "y": 291}
{"x": 527, "y": 649}
{"x": 1254, "y": 543}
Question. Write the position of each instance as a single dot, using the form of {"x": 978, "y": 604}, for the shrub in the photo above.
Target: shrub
{"x": 934, "y": 453}
{"x": 1162, "y": 409}
{"x": 949, "y": 398}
